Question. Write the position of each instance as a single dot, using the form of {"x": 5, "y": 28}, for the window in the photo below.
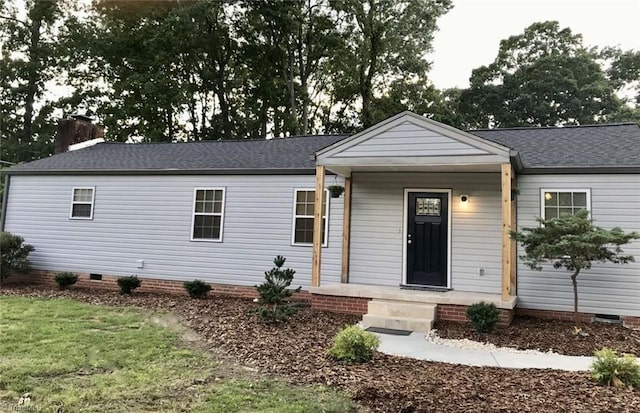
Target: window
{"x": 82, "y": 203}
{"x": 208, "y": 214}
{"x": 303, "y": 206}
{"x": 559, "y": 202}
{"x": 428, "y": 206}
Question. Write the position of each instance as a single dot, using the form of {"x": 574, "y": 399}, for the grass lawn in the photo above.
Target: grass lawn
{"x": 90, "y": 358}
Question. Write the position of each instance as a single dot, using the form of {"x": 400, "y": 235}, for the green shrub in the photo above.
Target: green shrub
{"x": 128, "y": 284}
{"x": 197, "y": 288}
{"x": 14, "y": 255}
{"x": 483, "y": 317}
{"x": 615, "y": 370}
{"x": 353, "y": 345}
{"x": 275, "y": 293}
{"x": 66, "y": 279}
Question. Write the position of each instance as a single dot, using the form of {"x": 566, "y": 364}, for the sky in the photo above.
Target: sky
{"x": 470, "y": 33}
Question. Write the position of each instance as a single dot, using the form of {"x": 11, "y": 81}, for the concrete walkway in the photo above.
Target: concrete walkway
{"x": 416, "y": 346}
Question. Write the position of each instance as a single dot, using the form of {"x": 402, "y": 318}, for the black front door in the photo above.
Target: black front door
{"x": 427, "y": 226}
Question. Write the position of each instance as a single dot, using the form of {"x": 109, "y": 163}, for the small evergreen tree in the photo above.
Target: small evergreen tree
{"x": 574, "y": 243}
{"x": 128, "y": 284}
{"x": 483, "y": 316}
{"x": 14, "y": 255}
{"x": 197, "y": 289}
{"x": 274, "y": 293}
{"x": 66, "y": 279}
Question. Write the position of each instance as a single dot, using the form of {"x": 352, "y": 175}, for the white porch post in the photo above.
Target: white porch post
{"x": 317, "y": 227}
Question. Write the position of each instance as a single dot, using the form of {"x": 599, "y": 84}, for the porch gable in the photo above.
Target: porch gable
{"x": 409, "y": 140}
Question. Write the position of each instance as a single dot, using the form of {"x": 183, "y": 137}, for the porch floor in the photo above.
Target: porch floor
{"x": 396, "y": 294}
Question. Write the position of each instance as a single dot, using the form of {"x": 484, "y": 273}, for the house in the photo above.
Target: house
{"x": 421, "y": 231}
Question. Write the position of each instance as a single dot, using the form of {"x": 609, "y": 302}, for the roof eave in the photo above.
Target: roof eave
{"x": 590, "y": 170}
{"x": 235, "y": 171}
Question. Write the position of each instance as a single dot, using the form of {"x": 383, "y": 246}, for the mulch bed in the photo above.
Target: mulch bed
{"x": 527, "y": 333}
{"x": 296, "y": 351}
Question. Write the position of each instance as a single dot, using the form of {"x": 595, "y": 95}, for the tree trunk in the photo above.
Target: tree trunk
{"x": 277, "y": 122}
{"x": 305, "y": 109}
{"x": 193, "y": 119}
{"x": 293, "y": 111}
{"x": 305, "y": 44}
{"x": 262, "y": 126}
{"x": 574, "y": 280}
{"x": 224, "y": 109}
{"x": 170, "y": 125}
{"x": 204, "y": 129}
{"x": 32, "y": 77}
{"x": 366, "y": 77}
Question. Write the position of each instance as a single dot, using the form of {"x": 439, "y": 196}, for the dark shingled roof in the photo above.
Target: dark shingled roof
{"x": 589, "y": 146}
{"x": 294, "y": 154}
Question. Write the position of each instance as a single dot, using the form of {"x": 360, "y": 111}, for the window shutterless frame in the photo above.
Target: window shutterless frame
{"x": 572, "y": 191}
{"x": 82, "y": 200}
{"x": 297, "y": 216}
{"x": 212, "y": 213}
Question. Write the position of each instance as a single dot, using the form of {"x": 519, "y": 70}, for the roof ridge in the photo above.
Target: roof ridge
{"x": 594, "y": 125}
{"x": 336, "y": 135}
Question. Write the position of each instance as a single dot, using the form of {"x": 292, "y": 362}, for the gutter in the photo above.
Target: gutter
{"x": 595, "y": 170}
{"x": 275, "y": 171}
{"x": 516, "y": 160}
{"x": 5, "y": 199}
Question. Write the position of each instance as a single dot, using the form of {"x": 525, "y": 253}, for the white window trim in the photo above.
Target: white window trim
{"x": 73, "y": 202}
{"x": 221, "y": 214}
{"x": 293, "y": 220}
{"x": 548, "y": 189}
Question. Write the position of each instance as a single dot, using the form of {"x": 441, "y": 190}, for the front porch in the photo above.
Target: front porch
{"x": 421, "y": 194}
{"x": 425, "y": 205}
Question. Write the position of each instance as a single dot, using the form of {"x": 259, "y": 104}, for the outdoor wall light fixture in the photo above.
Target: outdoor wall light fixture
{"x": 464, "y": 200}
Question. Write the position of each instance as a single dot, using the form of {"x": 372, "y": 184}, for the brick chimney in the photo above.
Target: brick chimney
{"x": 75, "y": 129}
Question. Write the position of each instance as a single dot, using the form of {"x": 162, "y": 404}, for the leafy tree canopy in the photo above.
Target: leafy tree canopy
{"x": 171, "y": 70}
{"x": 28, "y": 60}
{"x": 546, "y": 76}
{"x": 211, "y": 69}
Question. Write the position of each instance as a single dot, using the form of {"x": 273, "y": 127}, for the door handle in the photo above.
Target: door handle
{"x": 409, "y": 241}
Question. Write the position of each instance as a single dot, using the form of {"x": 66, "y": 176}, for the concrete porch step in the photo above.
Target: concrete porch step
{"x": 400, "y": 315}
{"x": 397, "y": 323}
{"x": 394, "y": 308}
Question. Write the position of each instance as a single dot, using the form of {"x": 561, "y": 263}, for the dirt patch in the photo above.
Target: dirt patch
{"x": 226, "y": 366}
{"x": 174, "y": 322}
{"x": 296, "y": 351}
{"x": 526, "y": 333}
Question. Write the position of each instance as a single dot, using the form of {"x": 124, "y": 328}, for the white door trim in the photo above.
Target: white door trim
{"x": 405, "y": 218}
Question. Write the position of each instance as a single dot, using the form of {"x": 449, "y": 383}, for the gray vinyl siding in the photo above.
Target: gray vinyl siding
{"x": 409, "y": 139}
{"x": 149, "y": 218}
{"x": 377, "y": 233}
{"x": 605, "y": 288}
